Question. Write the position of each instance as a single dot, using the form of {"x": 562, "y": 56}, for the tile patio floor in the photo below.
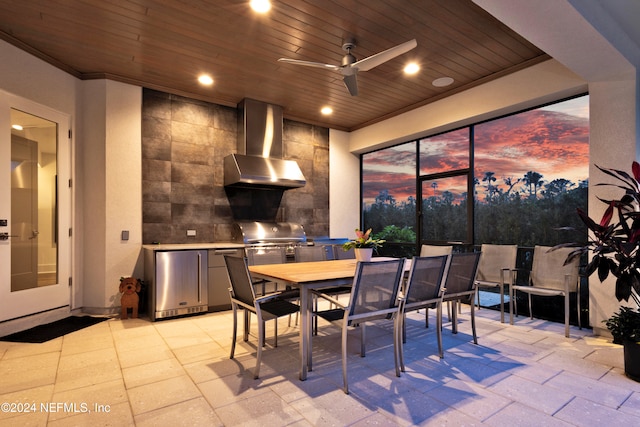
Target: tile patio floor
{"x": 178, "y": 372}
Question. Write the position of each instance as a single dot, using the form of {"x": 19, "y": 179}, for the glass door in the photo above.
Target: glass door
{"x": 35, "y": 159}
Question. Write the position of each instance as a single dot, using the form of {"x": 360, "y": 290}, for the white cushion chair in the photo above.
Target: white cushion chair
{"x": 549, "y": 277}
{"x": 495, "y": 270}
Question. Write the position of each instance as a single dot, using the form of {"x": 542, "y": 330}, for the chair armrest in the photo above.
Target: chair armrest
{"x": 329, "y": 298}
{"x": 274, "y": 295}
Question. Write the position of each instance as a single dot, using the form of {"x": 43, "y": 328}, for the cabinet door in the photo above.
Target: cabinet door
{"x": 181, "y": 279}
{"x": 219, "y": 279}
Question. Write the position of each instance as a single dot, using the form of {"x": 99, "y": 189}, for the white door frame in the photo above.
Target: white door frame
{"x": 28, "y": 302}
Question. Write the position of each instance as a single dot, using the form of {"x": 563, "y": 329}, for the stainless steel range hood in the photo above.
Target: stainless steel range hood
{"x": 259, "y": 161}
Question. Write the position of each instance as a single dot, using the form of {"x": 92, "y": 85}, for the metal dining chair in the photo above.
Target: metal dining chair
{"x": 461, "y": 286}
{"x": 374, "y": 296}
{"x": 497, "y": 263}
{"x": 425, "y": 289}
{"x": 310, "y": 253}
{"x": 437, "y": 250}
{"x": 266, "y": 255}
{"x": 550, "y": 277}
{"x": 266, "y": 307}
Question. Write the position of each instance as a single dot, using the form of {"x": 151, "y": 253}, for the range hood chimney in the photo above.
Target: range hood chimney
{"x": 259, "y": 161}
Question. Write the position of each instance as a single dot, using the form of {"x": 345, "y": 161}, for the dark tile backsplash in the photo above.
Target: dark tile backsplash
{"x": 184, "y": 142}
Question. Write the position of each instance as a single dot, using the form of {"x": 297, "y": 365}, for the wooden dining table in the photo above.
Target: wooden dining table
{"x": 306, "y": 276}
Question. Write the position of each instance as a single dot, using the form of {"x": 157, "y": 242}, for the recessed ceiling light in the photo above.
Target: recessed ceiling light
{"x": 260, "y": 6}
{"x": 205, "y": 79}
{"x": 16, "y": 127}
{"x": 411, "y": 68}
{"x": 442, "y": 82}
{"x": 326, "y": 110}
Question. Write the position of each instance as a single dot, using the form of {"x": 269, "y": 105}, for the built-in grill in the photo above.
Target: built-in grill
{"x": 270, "y": 234}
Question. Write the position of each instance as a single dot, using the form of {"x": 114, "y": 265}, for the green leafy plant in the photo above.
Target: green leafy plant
{"x": 624, "y": 325}
{"x": 363, "y": 240}
{"x": 614, "y": 243}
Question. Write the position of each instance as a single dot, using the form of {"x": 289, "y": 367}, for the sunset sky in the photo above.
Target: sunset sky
{"x": 552, "y": 141}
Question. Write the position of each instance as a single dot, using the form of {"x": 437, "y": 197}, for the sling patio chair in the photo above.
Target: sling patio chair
{"x": 266, "y": 307}
{"x": 461, "y": 286}
{"x": 549, "y": 277}
{"x": 495, "y": 269}
{"x": 374, "y": 297}
{"x": 425, "y": 289}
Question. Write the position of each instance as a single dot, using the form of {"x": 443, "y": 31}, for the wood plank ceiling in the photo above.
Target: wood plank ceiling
{"x": 166, "y": 44}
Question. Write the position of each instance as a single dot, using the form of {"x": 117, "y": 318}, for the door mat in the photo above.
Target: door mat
{"x": 43, "y": 333}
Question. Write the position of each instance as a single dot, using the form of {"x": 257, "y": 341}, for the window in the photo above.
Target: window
{"x": 523, "y": 171}
{"x": 531, "y": 172}
{"x": 389, "y": 195}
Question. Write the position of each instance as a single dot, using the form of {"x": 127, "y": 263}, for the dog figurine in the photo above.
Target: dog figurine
{"x": 129, "y": 287}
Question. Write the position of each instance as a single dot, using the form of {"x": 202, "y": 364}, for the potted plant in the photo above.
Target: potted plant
{"x": 615, "y": 246}
{"x": 363, "y": 244}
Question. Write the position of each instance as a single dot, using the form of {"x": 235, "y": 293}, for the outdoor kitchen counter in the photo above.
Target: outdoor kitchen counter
{"x": 214, "y": 278}
{"x": 193, "y": 246}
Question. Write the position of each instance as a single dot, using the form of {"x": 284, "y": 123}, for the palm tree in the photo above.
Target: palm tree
{"x": 533, "y": 180}
{"x": 489, "y": 178}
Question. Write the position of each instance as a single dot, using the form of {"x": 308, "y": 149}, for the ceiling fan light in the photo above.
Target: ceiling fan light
{"x": 442, "y": 82}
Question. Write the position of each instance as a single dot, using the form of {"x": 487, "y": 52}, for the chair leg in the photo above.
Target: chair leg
{"x": 473, "y": 325}
{"x": 578, "y": 305}
{"x": 439, "y": 329}
{"x": 501, "y": 302}
{"x": 363, "y": 338}
{"x": 566, "y": 314}
{"x": 454, "y": 317}
{"x": 344, "y": 358}
{"x": 310, "y": 355}
{"x": 247, "y": 316}
{"x": 404, "y": 327}
{"x": 512, "y": 303}
{"x": 397, "y": 344}
{"x": 401, "y": 339}
{"x": 261, "y": 328}
{"x": 426, "y": 317}
{"x": 235, "y": 331}
{"x": 275, "y": 330}
{"x": 530, "y": 309}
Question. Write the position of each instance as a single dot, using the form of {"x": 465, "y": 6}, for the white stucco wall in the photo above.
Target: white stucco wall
{"x": 344, "y": 186}
{"x": 123, "y": 160}
{"x": 613, "y": 126}
{"x": 112, "y": 184}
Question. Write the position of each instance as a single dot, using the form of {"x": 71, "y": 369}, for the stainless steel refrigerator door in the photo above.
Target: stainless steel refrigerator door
{"x": 181, "y": 281}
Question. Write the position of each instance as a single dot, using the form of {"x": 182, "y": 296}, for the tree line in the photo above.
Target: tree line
{"x": 526, "y": 211}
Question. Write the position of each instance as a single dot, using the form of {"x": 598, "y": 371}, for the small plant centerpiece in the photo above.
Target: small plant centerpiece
{"x": 614, "y": 243}
{"x": 364, "y": 245}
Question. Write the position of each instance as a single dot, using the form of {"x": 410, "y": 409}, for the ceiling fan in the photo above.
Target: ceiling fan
{"x": 350, "y": 66}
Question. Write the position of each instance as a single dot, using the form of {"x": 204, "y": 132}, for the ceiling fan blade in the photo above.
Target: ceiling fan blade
{"x": 379, "y": 58}
{"x": 309, "y": 63}
{"x": 351, "y": 82}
